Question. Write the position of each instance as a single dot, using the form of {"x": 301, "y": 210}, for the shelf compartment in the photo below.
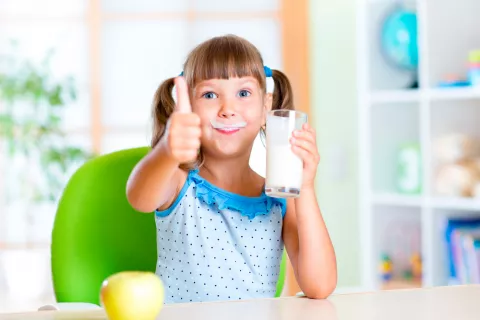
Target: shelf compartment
{"x": 397, "y": 233}
{"x": 452, "y": 32}
{"x": 394, "y": 199}
{"x": 440, "y": 256}
{"x": 455, "y": 146}
{"x": 383, "y": 75}
{"x": 393, "y": 126}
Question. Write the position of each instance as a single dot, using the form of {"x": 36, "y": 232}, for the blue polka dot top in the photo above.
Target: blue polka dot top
{"x": 217, "y": 245}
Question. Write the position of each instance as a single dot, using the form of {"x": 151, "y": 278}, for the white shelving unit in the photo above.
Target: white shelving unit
{"x": 390, "y": 114}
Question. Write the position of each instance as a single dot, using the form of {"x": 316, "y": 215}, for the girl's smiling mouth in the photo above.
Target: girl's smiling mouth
{"x": 228, "y": 129}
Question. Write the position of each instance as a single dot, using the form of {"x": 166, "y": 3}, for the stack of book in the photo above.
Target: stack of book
{"x": 463, "y": 247}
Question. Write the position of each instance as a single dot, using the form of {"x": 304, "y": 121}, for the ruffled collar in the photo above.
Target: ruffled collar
{"x": 247, "y": 206}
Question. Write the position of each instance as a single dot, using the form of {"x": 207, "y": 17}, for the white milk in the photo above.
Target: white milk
{"x": 284, "y": 169}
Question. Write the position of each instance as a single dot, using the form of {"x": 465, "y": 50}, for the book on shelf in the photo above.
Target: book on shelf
{"x": 463, "y": 248}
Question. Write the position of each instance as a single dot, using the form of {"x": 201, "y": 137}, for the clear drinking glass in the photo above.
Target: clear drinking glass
{"x": 284, "y": 168}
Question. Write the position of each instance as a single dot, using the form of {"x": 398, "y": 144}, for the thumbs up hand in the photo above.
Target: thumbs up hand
{"x": 183, "y": 132}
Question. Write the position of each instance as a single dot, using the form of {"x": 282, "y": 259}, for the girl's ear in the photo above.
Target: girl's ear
{"x": 268, "y": 102}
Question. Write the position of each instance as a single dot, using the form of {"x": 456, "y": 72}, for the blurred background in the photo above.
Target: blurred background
{"x": 392, "y": 87}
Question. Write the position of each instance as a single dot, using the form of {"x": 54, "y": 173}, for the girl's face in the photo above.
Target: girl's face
{"x": 232, "y": 112}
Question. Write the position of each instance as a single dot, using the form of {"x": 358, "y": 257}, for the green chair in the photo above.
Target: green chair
{"x": 97, "y": 233}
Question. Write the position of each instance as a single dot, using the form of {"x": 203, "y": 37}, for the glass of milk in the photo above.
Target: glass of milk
{"x": 284, "y": 168}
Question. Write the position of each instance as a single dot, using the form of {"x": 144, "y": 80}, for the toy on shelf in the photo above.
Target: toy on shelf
{"x": 412, "y": 277}
{"x": 458, "y": 179}
{"x": 472, "y": 79}
{"x": 416, "y": 266}
{"x": 474, "y": 68}
{"x": 453, "y": 81}
{"x": 386, "y": 267}
{"x": 414, "y": 271}
{"x": 454, "y": 147}
{"x": 458, "y": 160}
{"x": 409, "y": 179}
{"x": 398, "y": 40}
{"x": 400, "y": 245}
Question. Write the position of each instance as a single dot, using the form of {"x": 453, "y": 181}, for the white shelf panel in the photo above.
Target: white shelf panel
{"x": 434, "y": 94}
{"x": 466, "y": 93}
{"x": 392, "y": 199}
{"x": 400, "y": 200}
{"x": 388, "y": 2}
{"x": 394, "y": 96}
{"x": 466, "y": 204}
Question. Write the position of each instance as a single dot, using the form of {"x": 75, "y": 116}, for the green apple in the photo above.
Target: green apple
{"x": 132, "y": 295}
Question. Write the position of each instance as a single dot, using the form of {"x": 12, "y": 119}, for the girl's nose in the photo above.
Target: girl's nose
{"x": 227, "y": 110}
{"x": 227, "y": 114}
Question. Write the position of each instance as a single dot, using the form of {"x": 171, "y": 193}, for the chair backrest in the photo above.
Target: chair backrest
{"x": 97, "y": 233}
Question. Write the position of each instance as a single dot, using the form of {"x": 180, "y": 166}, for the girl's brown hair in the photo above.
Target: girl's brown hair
{"x": 219, "y": 58}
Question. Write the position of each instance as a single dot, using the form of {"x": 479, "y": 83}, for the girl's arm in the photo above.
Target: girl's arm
{"x": 305, "y": 235}
{"x": 156, "y": 179}
{"x": 309, "y": 247}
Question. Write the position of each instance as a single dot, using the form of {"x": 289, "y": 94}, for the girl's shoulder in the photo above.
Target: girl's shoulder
{"x": 179, "y": 179}
{"x": 209, "y": 194}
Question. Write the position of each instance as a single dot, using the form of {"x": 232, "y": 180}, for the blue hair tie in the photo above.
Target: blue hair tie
{"x": 268, "y": 71}
{"x": 181, "y": 74}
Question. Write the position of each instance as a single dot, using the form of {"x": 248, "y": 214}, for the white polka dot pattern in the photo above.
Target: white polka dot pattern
{"x": 207, "y": 254}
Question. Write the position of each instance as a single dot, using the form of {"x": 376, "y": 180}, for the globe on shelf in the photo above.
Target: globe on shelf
{"x": 398, "y": 40}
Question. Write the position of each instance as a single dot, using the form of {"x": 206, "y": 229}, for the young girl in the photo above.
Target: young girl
{"x": 219, "y": 236}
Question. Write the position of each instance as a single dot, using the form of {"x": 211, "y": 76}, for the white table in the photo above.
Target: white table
{"x": 440, "y": 303}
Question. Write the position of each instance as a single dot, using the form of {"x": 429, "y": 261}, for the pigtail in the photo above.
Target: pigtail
{"x": 162, "y": 109}
{"x": 282, "y": 92}
{"x": 282, "y": 98}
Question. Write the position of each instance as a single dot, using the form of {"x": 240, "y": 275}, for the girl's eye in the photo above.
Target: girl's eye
{"x": 210, "y": 95}
{"x": 244, "y": 93}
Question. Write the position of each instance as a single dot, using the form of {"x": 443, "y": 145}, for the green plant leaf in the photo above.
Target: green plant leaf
{"x": 55, "y": 97}
{"x": 35, "y": 128}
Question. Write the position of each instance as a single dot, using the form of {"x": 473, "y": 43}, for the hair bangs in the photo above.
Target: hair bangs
{"x": 224, "y": 58}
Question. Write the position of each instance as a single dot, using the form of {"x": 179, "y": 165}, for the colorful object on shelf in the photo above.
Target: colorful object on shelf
{"x": 398, "y": 40}
{"x": 459, "y": 179}
{"x": 386, "y": 267}
{"x": 455, "y": 146}
{"x": 473, "y": 75}
{"x": 474, "y": 67}
{"x": 453, "y": 81}
{"x": 409, "y": 179}
{"x": 416, "y": 266}
{"x": 462, "y": 236}
{"x": 457, "y": 156}
{"x": 399, "y": 241}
